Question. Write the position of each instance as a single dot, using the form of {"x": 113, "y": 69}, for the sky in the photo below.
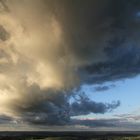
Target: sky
{"x": 127, "y": 91}
{"x": 69, "y": 65}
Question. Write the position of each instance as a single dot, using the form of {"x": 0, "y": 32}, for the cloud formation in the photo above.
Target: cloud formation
{"x": 84, "y": 106}
{"x": 50, "y": 47}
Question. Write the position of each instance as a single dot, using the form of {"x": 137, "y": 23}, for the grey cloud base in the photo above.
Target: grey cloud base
{"x": 57, "y": 110}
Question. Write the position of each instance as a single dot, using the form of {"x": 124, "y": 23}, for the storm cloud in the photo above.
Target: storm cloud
{"x": 48, "y": 48}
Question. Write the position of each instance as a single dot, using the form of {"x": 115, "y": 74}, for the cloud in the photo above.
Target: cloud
{"x": 4, "y": 35}
{"x": 125, "y": 66}
{"x": 97, "y": 123}
{"x": 84, "y": 106}
{"x": 102, "y": 88}
{"x": 53, "y": 108}
{"x": 112, "y": 123}
{"x": 129, "y": 117}
{"x": 5, "y": 119}
{"x": 48, "y": 48}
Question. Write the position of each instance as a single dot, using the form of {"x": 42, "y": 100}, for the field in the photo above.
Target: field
{"x": 80, "y": 135}
{"x": 103, "y": 138}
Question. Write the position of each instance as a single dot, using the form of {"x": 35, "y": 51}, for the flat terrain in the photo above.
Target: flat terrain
{"x": 70, "y": 135}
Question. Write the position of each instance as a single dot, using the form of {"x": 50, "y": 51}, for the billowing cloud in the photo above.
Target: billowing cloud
{"x": 84, "y": 106}
{"x": 50, "y": 47}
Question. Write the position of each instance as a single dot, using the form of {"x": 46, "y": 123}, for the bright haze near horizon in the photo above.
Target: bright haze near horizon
{"x": 69, "y": 64}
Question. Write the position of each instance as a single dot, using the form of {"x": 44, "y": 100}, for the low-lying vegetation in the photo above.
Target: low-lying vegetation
{"x": 84, "y": 138}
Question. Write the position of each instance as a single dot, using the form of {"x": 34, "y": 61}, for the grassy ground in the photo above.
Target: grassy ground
{"x": 73, "y": 138}
{"x": 105, "y": 138}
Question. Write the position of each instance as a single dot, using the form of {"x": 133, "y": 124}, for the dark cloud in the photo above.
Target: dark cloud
{"x": 55, "y": 108}
{"x": 104, "y": 36}
{"x": 102, "y": 88}
{"x": 84, "y": 106}
{"x": 5, "y": 119}
{"x": 100, "y": 44}
{"x": 126, "y": 65}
